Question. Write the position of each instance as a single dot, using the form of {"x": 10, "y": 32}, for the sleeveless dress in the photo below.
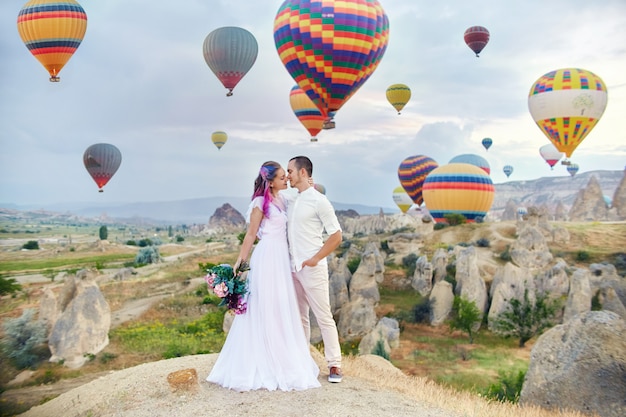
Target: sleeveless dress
{"x": 266, "y": 346}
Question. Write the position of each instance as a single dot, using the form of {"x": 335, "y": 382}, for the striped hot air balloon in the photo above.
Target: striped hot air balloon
{"x": 458, "y": 188}
{"x": 230, "y": 52}
{"x": 572, "y": 169}
{"x": 219, "y": 138}
{"x": 52, "y": 30}
{"x": 487, "y": 142}
{"x": 398, "y": 95}
{"x": 412, "y": 172}
{"x": 306, "y": 112}
{"x": 330, "y": 48}
{"x": 508, "y": 170}
{"x": 470, "y": 158}
{"x": 476, "y": 37}
{"x": 102, "y": 161}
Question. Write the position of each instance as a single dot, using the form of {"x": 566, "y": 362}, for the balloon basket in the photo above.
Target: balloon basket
{"x": 328, "y": 124}
{"x": 55, "y": 79}
{"x": 566, "y": 162}
{"x": 313, "y": 139}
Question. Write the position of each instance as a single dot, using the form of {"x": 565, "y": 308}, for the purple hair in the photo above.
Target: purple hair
{"x": 267, "y": 173}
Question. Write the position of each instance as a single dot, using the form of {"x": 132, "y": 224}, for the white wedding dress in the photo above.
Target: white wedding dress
{"x": 266, "y": 346}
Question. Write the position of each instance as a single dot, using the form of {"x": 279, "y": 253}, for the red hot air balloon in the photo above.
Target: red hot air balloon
{"x": 476, "y": 37}
{"x": 102, "y": 161}
{"x": 330, "y": 48}
{"x": 412, "y": 172}
{"x": 230, "y": 52}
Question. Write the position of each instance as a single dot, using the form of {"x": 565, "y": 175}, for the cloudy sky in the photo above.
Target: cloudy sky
{"x": 139, "y": 81}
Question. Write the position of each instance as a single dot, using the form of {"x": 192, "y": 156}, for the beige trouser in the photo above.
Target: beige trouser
{"x": 312, "y": 292}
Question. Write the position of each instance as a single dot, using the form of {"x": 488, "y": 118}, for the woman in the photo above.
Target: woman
{"x": 266, "y": 346}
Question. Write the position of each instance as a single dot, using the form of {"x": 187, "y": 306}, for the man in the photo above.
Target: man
{"x": 309, "y": 213}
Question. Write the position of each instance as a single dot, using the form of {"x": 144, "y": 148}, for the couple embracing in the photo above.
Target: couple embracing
{"x": 268, "y": 346}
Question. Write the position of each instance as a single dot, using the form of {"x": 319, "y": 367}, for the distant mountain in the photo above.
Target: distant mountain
{"x": 547, "y": 190}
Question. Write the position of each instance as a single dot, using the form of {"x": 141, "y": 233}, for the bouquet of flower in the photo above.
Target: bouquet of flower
{"x": 231, "y": 286}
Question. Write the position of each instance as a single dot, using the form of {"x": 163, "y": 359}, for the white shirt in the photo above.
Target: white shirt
{"x": 309, "y": 213}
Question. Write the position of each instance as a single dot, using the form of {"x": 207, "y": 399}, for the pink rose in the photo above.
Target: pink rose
{"x": 221, "y": 290}
{"x": 210, "y": 279}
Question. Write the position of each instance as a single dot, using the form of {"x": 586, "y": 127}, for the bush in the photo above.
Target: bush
{"x": 508, "y": 387}
{"x": 379, "y": 349}
{"x": 408, "y": 262}
{"x": 506, "y": 254}
{"x": 31, "y": 244}
{"x": 353, "y": 264}
{"x": 465, "y": 316}
{"x": 582, "y": 256}
{"x": 131, "y": 243}
{"x": 23, "y": 339}
{"x": 483, "y": 242}
{"x": 148, "y": 255}
{"x": 144, "y": 243}
{"x": 9, "y": 286}
{"x": 439, "y": 226}
{"x": 421, "y": 311}
{"x": 454, "y": 219}
{"x": 103, "y": 233}
{"x": 179, "y": 239}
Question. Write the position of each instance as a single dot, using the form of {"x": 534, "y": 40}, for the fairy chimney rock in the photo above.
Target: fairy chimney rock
{"x": 589, "y": 204}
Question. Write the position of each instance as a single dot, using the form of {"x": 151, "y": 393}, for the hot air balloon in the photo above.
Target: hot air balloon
{"x": 470, "y": 158}
{"x": 508, "y": 170}
{"x": 398, "y": 95}
{"x": 550, "y": 154}
{"x": 402, "y": 199}
{"x": 219, "y": 138}
{"x": 476, "y": 37}
{"x": 572, "y": 169}
{"x": 320, "y": 188}
{"x": 522, "y": 211}
{"x": 487, "y": 143}
{"x": 458, "y": 188}
{"x": 52, "y": 30}
{"x": 230, "y": 52}
{"x": 307, "y": 113}
{"x": 331, "y": 48}
{"x": 566, "y": 104}
{"x": 102, "y": 161}
{"x": 412, "y": 172}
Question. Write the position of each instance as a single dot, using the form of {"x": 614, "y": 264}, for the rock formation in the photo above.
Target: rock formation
{"x": 422, "y": 280}
{"x": 618, "y": 204}
{"x": 580, "y": 365}
{"x": 441, "y": 300}
{"x": 226, "y": 218}
{"x": 387, "y": 330}
{"x": 589, "y": 204}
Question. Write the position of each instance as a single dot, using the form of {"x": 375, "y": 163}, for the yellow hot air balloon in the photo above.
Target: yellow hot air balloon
{"x": 219, "y": 138}
{"x": 458, "y": 188}
{"x": 566, "y": 104}
{"x": 398, "y": 95}
{"x": 52, "y": 30}
{"x": 402, "y": 199}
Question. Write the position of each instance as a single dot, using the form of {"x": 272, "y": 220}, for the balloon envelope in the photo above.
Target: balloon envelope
{"x": 566, "y": 104}
{"x": 102, "y": 161}
{"x": 458, "y": 188}
{"x": 412, "y": 172}
{"x": 52, "y": 30}
{"x": 320, "y": 188}
{"x": 572, "y": 169}
{"x": 508, "y": 170}
{"x": 402, "y": 199}
{"x": 487, "y": 143}
{"x": 476, "y": 37}
{"x": 230, "y": 52}
{"x": 550, "y": 154}
{"x": 330, "y": 48}
{"x": 398, "y": 95}
{"x": 476, "y": 160}
{"x": 306, "y": 112}
{"x": 219, "y": 138}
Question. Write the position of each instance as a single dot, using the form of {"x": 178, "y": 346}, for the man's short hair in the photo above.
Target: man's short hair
{"x": 303, "y": 162}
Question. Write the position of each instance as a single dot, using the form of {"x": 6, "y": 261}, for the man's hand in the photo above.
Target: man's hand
{"x": 310, "y": 262}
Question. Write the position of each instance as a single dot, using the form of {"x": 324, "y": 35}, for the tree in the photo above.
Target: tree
{"x": 31, "y": 244}
{"x": 104, "y": 233}
{"x": 465, "y": 316}
{"x": 9, "y": 286}
{"x": 24, "y": 337}
{"x": 525, "y": 319}
{"x": 454, "y": 219}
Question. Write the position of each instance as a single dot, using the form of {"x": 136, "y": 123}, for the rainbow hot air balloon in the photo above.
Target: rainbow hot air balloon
{"x": 230, "y": 52}
{"x": 458, "y": 188}
{"x": 476, "y": 37}
{"x": 572, "y": 169}
{"x": 52, "y": 30}
{"x": 102, "y": 161}
{"x": 398, "y": 95}
{"x": 508, "y": 170}
{"x": 412, "y": 172}
{"x": 219, "y": 138}
{"x": 550, "y": 154}
{"x": 487, "y": 143}
{"x": 470, "y": 158}
{"x": 330, "y": 48}
{"x": 566, "y": 104}
{"x": 402, "y": 199}
{"x": 307, "y": 113}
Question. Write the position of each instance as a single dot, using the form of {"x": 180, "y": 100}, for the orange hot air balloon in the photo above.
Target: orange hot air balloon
{"x": 102, "y": 161}
{"x": 52, "y": 30}
{"x": 307, "y": 113}
{"x": 458, "y": 188}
